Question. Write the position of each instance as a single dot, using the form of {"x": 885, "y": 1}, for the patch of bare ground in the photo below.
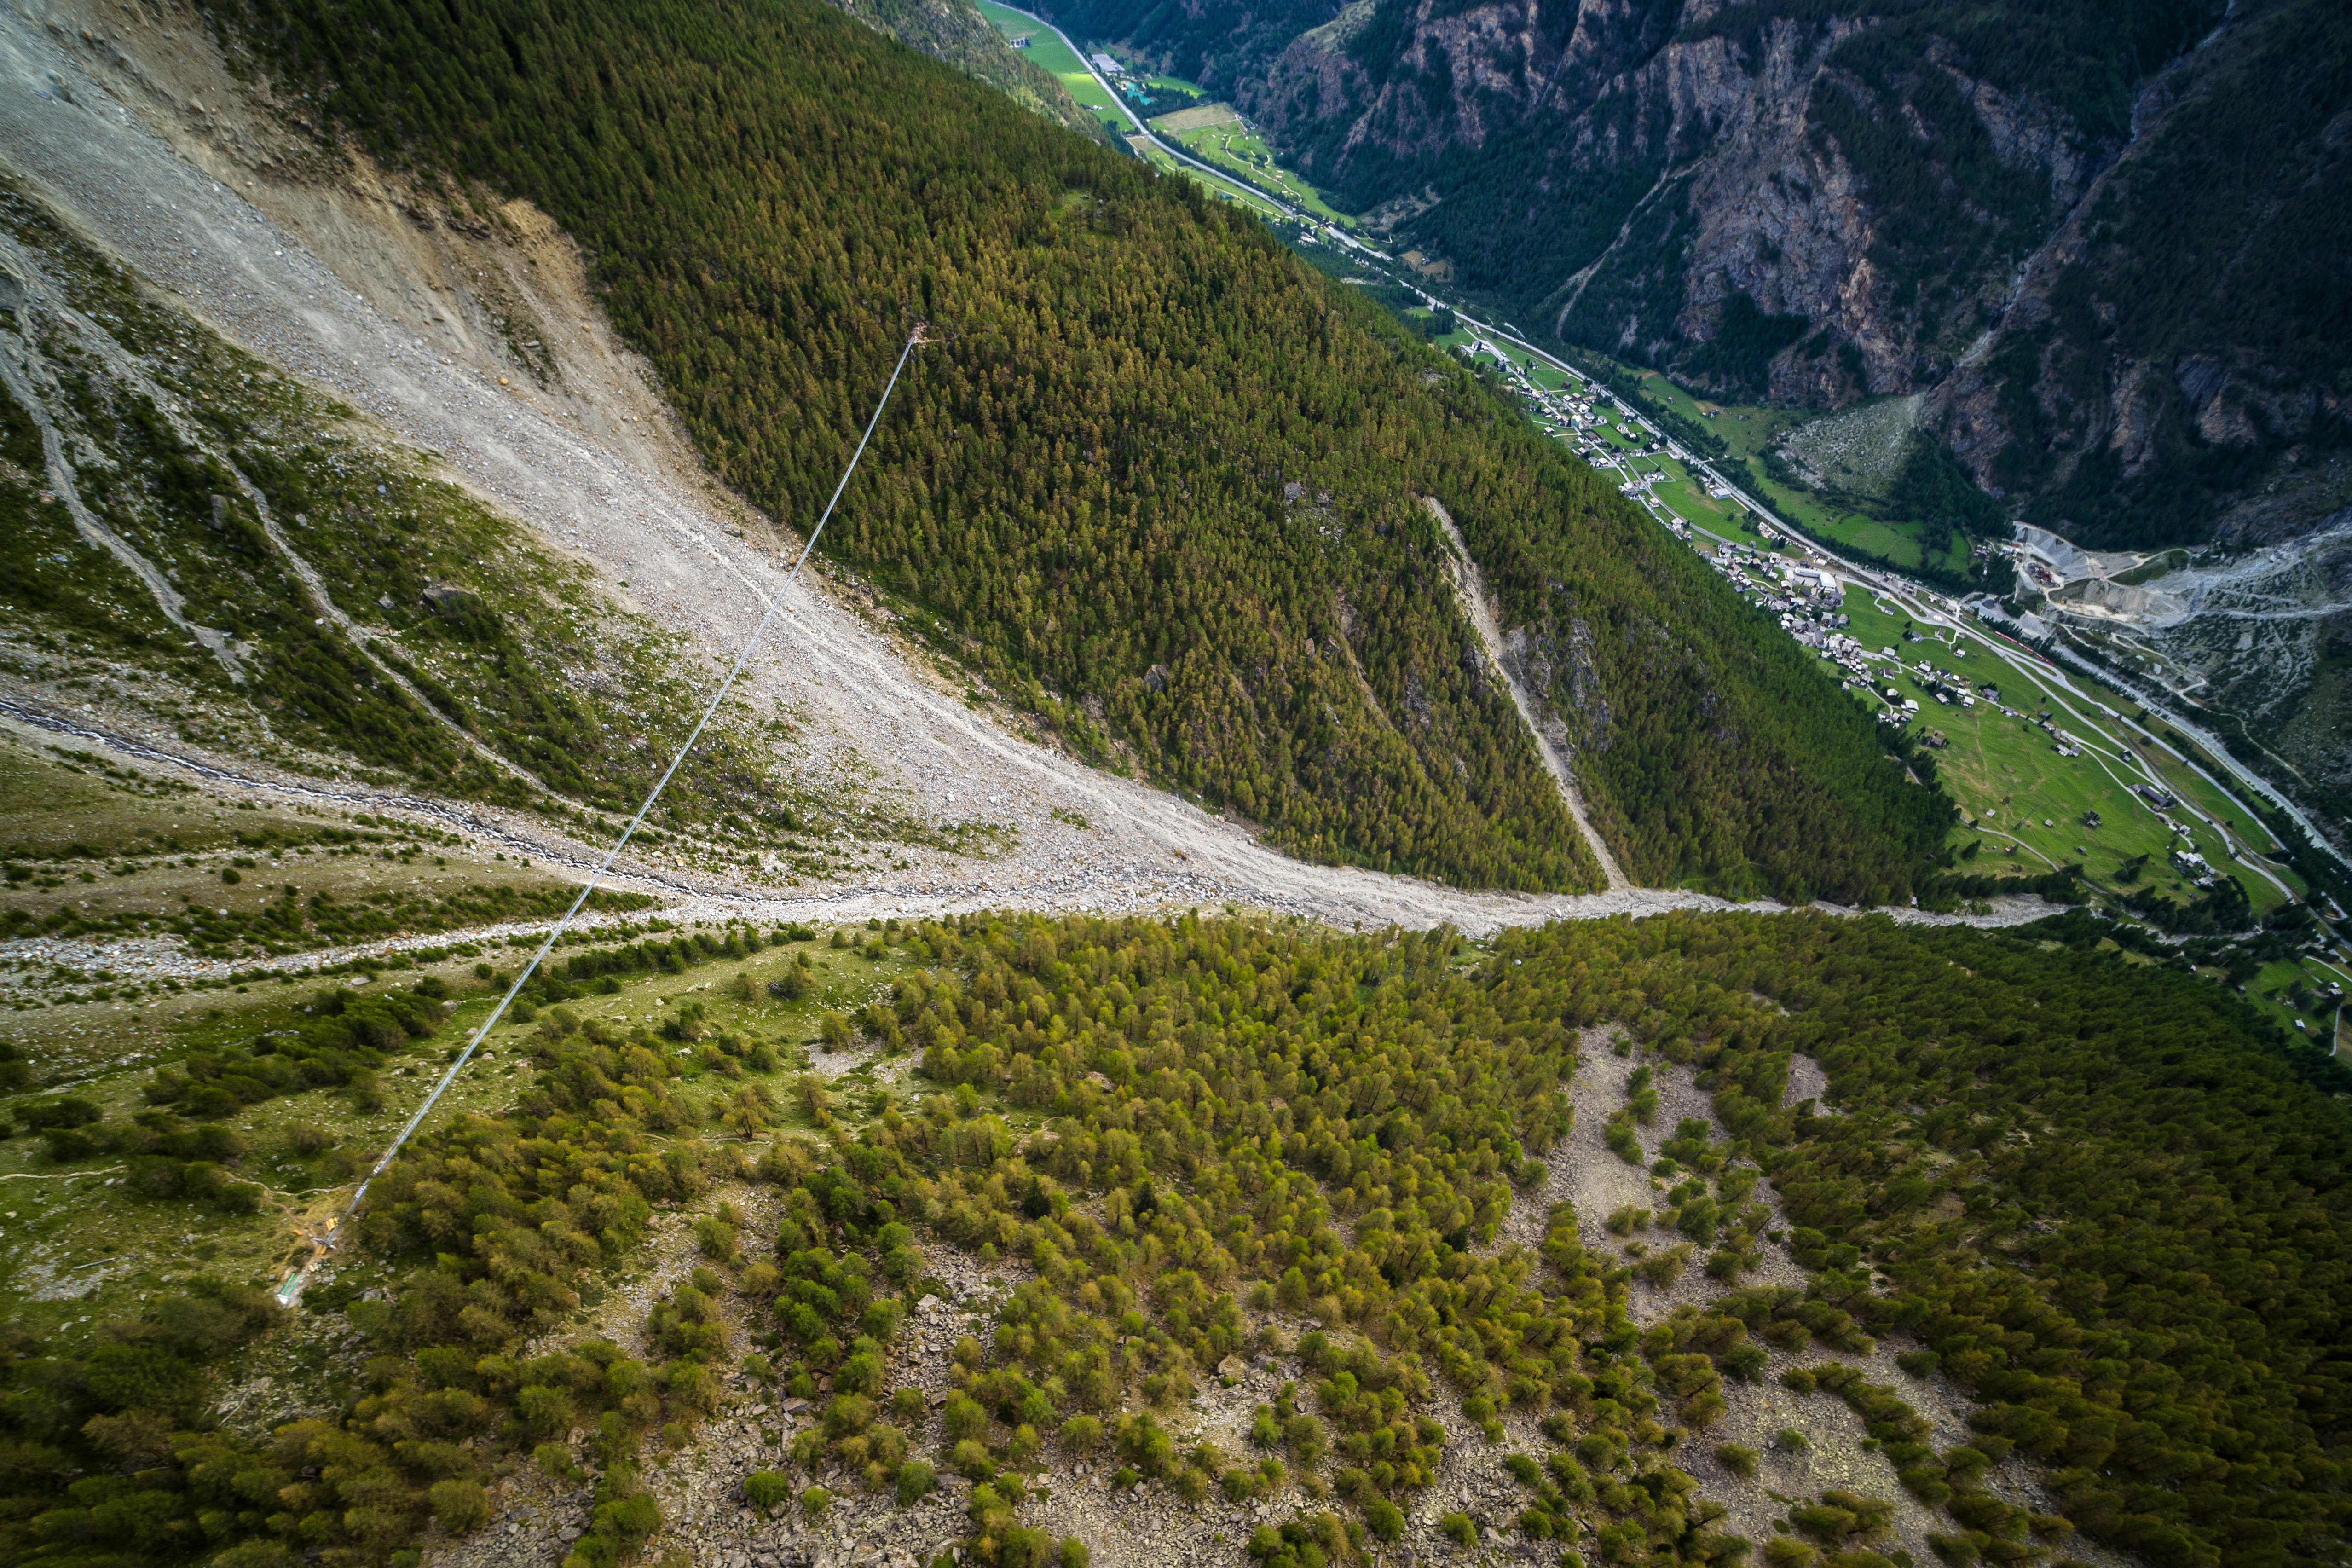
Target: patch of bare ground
{"x": 1808, "y": 1079}
{"x": 1830, "y": 1448}
{"x": 1148, "y": 1524}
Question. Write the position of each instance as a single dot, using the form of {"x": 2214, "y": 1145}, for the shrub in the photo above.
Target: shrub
{"x": 816, "y": 1098}
{"x": 961, "y": 1416}
{"x": 1736, "y": 1458}
{"x": 763, "y": 1489}
{"x": 716, "y": 1238}
{"x": 916, "y": 1482}
{"x": 461, "y": 1506}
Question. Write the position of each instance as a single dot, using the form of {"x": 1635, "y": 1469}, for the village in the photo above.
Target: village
{"x": 2065, "y": 779}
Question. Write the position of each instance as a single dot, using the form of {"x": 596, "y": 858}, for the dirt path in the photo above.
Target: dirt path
{"x": 1471, "y": 589}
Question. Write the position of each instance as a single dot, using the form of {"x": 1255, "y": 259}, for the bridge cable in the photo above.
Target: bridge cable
{"x": 556, "y": 931}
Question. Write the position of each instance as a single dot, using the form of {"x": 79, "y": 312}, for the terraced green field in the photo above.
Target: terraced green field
{"x": 1229, "y": 146}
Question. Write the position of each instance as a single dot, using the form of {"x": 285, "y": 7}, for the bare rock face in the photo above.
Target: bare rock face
{"x": 1720, "y": 168}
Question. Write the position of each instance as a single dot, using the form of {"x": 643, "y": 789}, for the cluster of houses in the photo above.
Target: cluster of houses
{"x": 1942, "y": 687}
{"x": 1806, "y": 595}
{"x": 2069, "y": 745}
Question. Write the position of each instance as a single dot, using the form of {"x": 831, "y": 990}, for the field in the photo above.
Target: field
{"x": 2027, "y": 808}
{"x": 1234, "y": 191}
{"x": 1252, "y": 168}
{"x": 1746, "y": 430}
{"x": 1047, "y": 50}
{"x": 1230, "y": 146}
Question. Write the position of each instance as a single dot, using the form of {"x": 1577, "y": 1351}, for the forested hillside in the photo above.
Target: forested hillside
{"x": 2093, "y": 1196}
{"x": 1155, "y": 477}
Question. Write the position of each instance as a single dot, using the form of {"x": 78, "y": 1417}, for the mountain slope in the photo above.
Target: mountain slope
{"x": 955, "y": 31}
{"x": 1155, "y": 477}
{"x": 2103, "y": 233}
{"x": 250, "y": 566}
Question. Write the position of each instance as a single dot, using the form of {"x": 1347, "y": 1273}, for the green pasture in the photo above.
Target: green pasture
{"x": 1047, "y": 50}
{"x": 1233, "y": 190}
{"x": 1746, "y": 429}
{"x": 2006, "y": 773}
{"x": 1246, "y": 152}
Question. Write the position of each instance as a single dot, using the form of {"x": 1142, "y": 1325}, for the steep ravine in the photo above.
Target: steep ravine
{"x": 1472, "y": 589}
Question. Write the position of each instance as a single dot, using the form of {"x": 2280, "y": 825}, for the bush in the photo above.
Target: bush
{"x": 256, "y": 1555}
{"x": 1459, "y": 1528}
{"x": 461, "y": 1506}
{"x": 1736, "y": 1458}
{"x": 961, "y": 1416}
{"x": 1384, "y": 1519}
{"x": 716, "y": 1238}
{"x": 763, "y": 1489}
{"x": 916, "y": 1482}
{"x": 814, "y": 1501}
{"x": 67, "y": 1112}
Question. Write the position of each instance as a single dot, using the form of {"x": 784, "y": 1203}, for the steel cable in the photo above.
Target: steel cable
{"x": 556, "y": 931}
